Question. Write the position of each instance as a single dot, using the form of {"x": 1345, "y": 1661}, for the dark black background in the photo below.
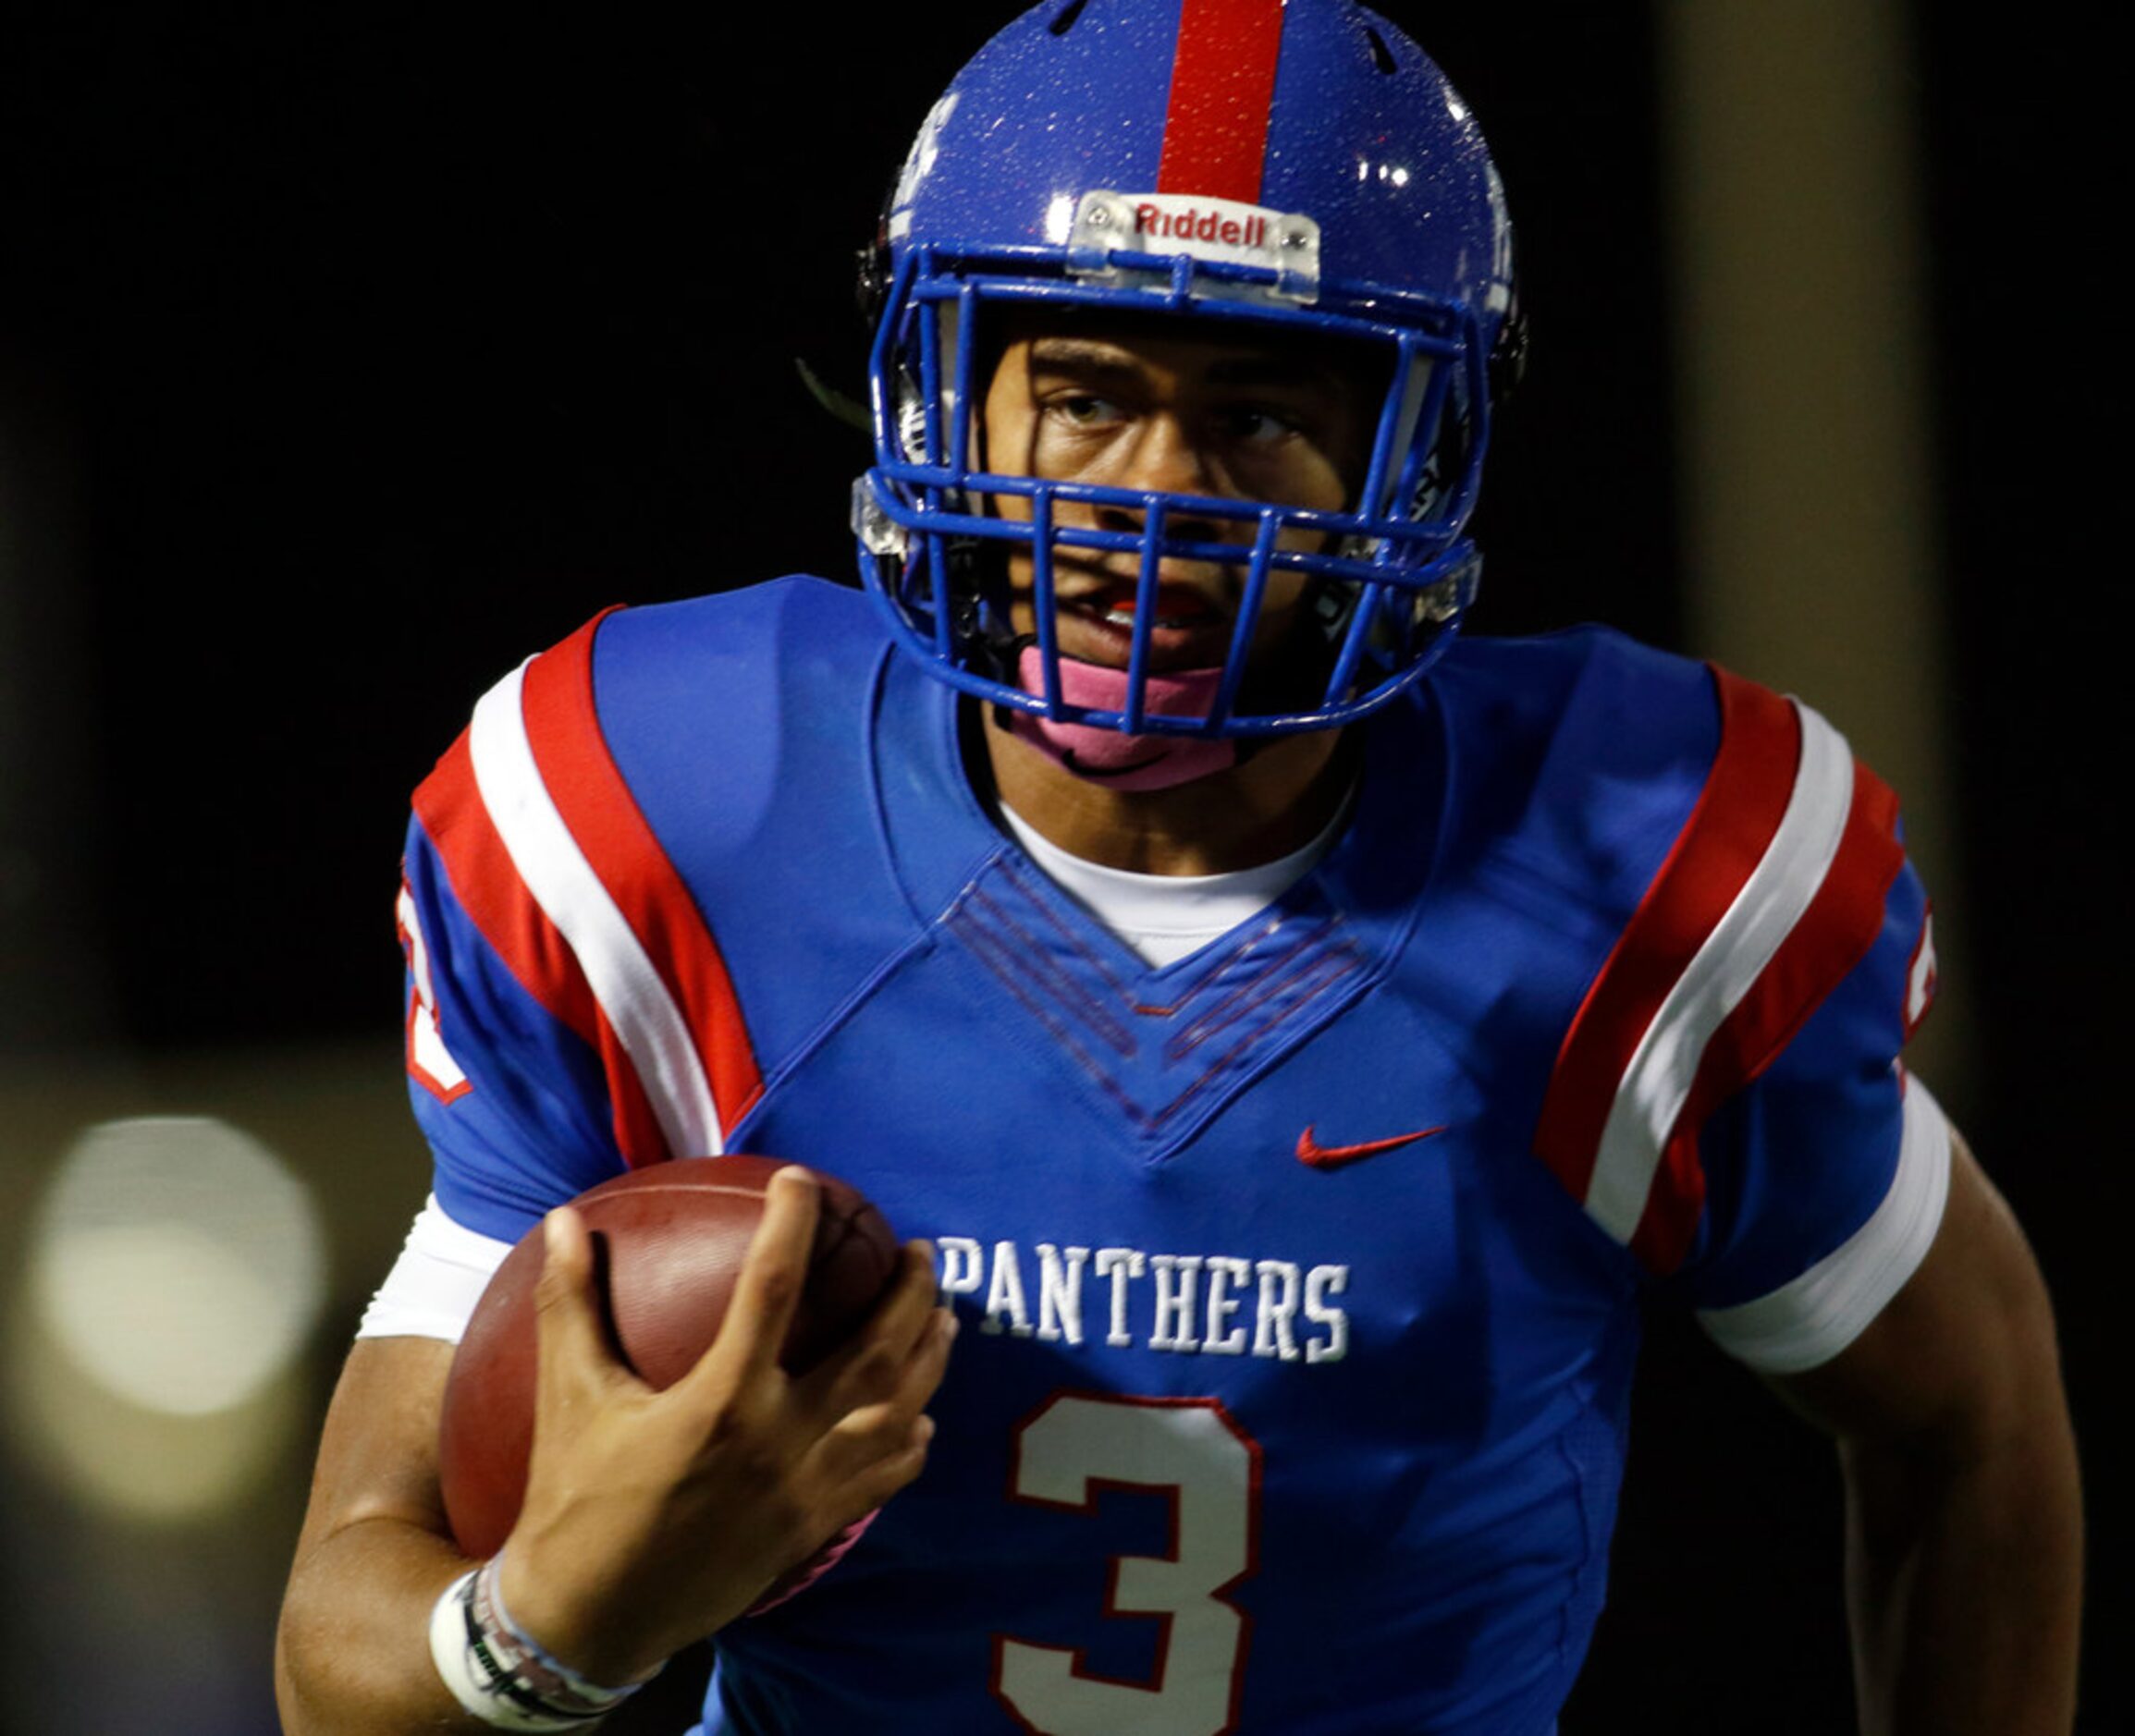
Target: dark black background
{"x": 395, "y": 347}
{"x": 353, "y": 354}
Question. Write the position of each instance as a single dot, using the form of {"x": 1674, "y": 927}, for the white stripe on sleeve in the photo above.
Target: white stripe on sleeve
{"x": 646, "y": 1021}
{"x": 432, "y": 1290}
{"x": 1771, "y": 901}
{"x": 1812, "y": 1319}
{"x": 426, "y": 1040}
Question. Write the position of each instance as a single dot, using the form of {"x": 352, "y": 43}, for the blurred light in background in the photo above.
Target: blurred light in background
{"x": 175, "y": 1270}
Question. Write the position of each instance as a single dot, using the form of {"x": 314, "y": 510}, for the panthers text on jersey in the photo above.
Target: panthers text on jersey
{"x": 1301, "y": 1276}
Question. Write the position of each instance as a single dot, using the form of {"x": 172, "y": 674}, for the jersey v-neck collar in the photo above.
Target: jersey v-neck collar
{"x": 1159, "y": 1047}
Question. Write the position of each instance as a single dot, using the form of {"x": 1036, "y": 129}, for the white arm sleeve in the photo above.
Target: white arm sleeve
{"x": 1812, "y": 1319}
{"x": 432, "y": 1290}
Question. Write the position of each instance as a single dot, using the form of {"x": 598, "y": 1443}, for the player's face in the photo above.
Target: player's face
{"x": 1149, "y": 405}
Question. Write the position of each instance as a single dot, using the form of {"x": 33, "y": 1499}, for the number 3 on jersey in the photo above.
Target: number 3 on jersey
{"x": 1191, "y": 1450}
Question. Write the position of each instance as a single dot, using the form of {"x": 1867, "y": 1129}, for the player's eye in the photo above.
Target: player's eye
{"x": 1084, "y": 409}
{"x": 1258, "y": 424}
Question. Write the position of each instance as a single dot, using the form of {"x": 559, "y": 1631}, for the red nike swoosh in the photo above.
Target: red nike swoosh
{"x": 1309, "y": 1150}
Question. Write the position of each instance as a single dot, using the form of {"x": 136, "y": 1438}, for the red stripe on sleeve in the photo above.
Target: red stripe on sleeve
{"x": 603, "y": 817}
{"x": 1833, "y": 935}
{"x": 1736, "y": 814}
{"x": 489, "y": 887}
{"x": 1222, "y": 87}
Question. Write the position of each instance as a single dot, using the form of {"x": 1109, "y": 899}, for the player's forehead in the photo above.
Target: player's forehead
{"x": 1095, "y": 341}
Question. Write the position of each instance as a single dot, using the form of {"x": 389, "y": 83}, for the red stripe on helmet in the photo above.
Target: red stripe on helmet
{"x": 1222, "y": 88}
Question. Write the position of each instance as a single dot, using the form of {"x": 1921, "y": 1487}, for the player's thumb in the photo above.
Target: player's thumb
{"x": 573, "y": 1342}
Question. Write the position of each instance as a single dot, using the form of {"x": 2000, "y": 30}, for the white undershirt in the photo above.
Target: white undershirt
{"x": 1164, "y": 917}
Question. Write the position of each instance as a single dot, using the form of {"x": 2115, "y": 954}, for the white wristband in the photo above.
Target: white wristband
{"x": 501, "y": 1675}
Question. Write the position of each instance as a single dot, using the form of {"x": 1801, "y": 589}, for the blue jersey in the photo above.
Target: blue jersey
{"x": 1301, "y": 1277}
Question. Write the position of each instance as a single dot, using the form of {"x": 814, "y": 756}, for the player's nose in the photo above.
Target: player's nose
{"x": 1164, "y": 458}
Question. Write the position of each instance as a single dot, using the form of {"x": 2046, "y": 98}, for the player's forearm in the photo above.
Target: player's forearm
{"x": 1965, "y": 1580}
{"x": 352, "y": 1654}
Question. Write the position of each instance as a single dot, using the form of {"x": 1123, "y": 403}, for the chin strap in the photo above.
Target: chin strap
{"x": 1112, "y": 757}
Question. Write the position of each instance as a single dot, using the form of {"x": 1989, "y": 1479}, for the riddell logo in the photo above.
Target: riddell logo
{"x": 1278, "y": 249}
{"x": 1192, "y": 225}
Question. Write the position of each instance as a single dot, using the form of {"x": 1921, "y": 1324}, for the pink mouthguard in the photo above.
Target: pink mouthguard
{"x": 1112, "y": 757}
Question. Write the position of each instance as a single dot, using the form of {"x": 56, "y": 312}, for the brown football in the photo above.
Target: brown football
{"x": 668, "y": 1245}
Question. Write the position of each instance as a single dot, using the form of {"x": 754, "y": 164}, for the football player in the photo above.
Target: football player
{"x": 1354, "y": 1024}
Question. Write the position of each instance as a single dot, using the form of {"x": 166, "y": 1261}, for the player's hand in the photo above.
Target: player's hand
{"x": 652, "y": 1519}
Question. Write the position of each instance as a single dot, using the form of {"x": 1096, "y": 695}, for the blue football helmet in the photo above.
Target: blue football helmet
{"x": 1288, "y": 166}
